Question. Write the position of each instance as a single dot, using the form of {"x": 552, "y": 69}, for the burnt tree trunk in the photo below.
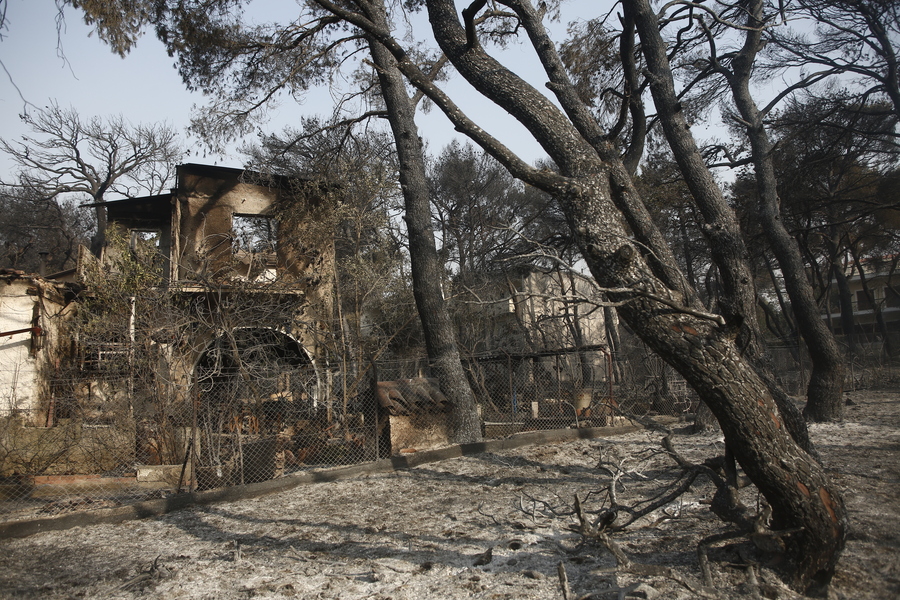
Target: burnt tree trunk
{"x": 845, "y": 300}
{"x": 669, "y": 319}
{"x": 824, "y": 393}
{"x": 426, "y": 267}
{"x": 98, "y": 240}
{"x": 705, "y": 353}
{"x": 738, "y": 299}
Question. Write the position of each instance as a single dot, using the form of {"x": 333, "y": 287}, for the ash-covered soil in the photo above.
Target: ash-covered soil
{"x": 490, "y": 526}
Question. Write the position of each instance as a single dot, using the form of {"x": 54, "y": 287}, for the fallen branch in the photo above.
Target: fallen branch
{"x": 725, "y": 504}
{"x": 140, "y": 580}
{"x": 597, "y": 531}
{"x": 563, "y": 581}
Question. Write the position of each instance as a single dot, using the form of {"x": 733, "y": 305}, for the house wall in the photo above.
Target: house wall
{"x": 540, "y": 305}
{"x": 209, "y": 198}
{"x": 196, "y": 228}
{"x": 206, "y": 207}
{"x": 26, "y": 359}
{"x": 527, "y": 313}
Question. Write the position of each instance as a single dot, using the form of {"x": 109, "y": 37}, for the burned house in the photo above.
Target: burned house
{"x": 868, "y": 314}
{"x": 239, "y": 355}
{"x": 198, "y": 339}
{"x": 247, "y": 283}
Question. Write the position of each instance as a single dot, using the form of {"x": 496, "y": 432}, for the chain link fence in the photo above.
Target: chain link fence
{"x": 108, "y": 438}
{"x": 592, "y": 388}
{"x": 103, "y": 442}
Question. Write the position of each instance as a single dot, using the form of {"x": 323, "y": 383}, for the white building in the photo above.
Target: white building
{"x": 32, "y": 310}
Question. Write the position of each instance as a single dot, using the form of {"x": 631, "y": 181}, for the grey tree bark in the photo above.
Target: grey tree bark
{"x": 667, "y": 317}
{"x": 738, "y": 299}
{"x": 824, "y": 393}
{"x": 426, "y": 267}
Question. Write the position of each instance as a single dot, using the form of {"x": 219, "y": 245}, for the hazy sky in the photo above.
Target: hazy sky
{"x": 78, "y": 70}
{"x": 144, "y": 87}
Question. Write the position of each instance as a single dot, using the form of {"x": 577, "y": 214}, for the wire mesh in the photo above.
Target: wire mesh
{"x": 103, "y": 442}
{"x": 574, "y": 389}
{"x": 108, "y": 437}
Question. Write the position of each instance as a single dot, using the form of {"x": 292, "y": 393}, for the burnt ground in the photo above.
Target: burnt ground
{"x": 490, "y": 526}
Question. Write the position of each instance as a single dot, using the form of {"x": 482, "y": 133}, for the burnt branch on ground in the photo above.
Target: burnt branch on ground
{"x": 622, "y": 504}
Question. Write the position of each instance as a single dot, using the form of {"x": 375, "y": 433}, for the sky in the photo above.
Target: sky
{"x": 80, "y": 71}
{"x": 75, "y": 69}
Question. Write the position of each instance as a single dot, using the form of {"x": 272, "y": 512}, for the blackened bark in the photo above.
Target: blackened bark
{"x": 655, "y": 247}
{"x": 738, "y": 299}
{"x": 720, "y": 226}
{"x": 704, "y": 420}
{"x": 702, "y": 350}
{"x": 632, "y": 156}
{"x": 98, "y": 240}
{"x": 427, "y": 270}
{"x": 824, "y": 394}
{"x": 845, "y": 301}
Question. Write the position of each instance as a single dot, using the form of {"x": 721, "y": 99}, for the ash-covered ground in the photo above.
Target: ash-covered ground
{"x": 489, "y": 526}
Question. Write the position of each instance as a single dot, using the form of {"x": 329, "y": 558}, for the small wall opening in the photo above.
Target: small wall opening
{"x": 254, "y": 246}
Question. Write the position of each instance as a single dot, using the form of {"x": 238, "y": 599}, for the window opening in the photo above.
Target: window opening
{"x": 892, "y": 298}
{"x": 254, "y": 246}
{"x": 253, "y": 234}
{"x": 145, "y": 238}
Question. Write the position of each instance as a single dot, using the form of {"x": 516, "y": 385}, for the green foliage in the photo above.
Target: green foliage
{"x": 245, "y": 67}
{"x": 833, "y": 154}
{"x": 123, "y": 298}
{"x": 119, "y": 23}
{"x": 129, "y": 268}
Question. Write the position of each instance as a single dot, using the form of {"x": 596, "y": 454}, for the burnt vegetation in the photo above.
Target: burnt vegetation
{"x": 625, "y": 215}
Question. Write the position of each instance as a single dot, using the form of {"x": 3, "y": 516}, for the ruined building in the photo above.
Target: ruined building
{"x": 203, "y": 326}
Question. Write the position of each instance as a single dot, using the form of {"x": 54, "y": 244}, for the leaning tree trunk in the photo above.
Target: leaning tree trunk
{"x": 700, "y": 346}
{"x": 704, "y": 351}
{"x": 427, "y": 271}
{"x": 720, "y": 226}
{"x": 824, "y": 394}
